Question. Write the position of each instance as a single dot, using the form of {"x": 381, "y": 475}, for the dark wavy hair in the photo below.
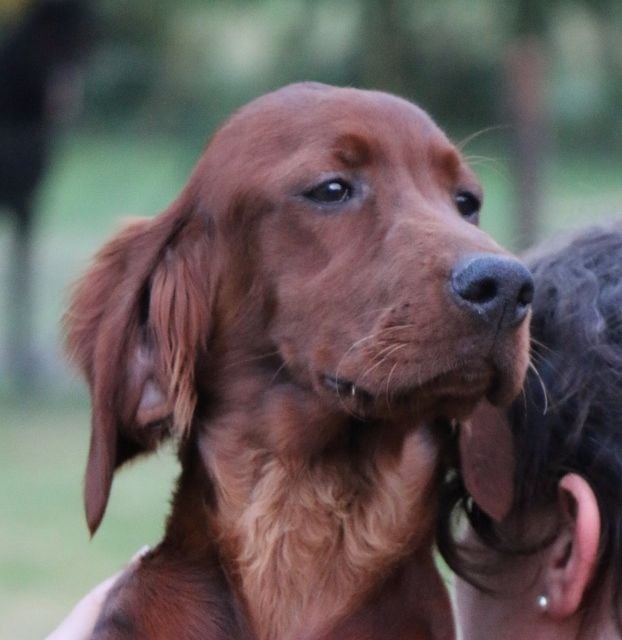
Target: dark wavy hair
{"x": 569, "y": 418}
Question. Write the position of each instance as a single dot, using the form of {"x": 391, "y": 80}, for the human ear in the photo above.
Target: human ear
{"x": 572, "y": 557}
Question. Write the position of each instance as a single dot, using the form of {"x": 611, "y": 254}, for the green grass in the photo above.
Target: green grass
{"x": 46, "y": 558}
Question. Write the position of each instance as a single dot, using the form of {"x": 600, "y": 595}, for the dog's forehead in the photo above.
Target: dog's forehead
{"x": 310, "y": 114}
{"x": 312, "y": 103}
{"x": 297, "y": 133}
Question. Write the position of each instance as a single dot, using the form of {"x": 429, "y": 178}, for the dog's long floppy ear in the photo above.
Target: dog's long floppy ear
{"x": 137, "y": 323}
{"x": 487, "y": 460}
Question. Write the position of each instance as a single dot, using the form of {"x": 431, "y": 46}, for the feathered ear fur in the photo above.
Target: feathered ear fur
{"x": 137, "y": 323}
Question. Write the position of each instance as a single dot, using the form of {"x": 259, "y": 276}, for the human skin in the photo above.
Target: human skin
{"x": 561, "y": 572}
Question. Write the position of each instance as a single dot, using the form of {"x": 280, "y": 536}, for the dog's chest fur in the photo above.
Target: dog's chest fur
{"x": 309, "y": 542}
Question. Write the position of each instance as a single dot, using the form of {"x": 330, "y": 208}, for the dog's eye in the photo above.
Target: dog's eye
{"x": 468, "y": 204}
{"x": 330, "y": 192}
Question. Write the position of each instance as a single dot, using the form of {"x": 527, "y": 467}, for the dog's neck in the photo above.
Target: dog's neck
{"x": 308, "y": 536}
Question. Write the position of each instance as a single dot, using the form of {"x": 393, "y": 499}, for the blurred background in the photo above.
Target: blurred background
{"x": 104, "y": 108}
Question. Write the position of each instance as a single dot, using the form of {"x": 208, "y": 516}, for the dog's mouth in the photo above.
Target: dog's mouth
{"x": 346, "y": 388}
{"x": 454, "y": 393}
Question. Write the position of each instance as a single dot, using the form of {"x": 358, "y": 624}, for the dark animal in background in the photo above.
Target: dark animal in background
{"x": 38, "y": 63}
{"x": 307, "y": 320}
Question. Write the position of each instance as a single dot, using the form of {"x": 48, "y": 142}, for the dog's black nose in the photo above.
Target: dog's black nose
{"x": 497, "y": 289}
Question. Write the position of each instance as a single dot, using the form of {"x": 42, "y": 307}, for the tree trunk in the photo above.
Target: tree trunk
{"x": 525, "y": 81}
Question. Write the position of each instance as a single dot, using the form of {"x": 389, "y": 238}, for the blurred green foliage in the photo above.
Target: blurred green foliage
{"x": 184, "y": 66}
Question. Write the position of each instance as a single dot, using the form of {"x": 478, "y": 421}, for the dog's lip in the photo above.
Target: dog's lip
{"x": 343, "y": 387}
{"x": 459, "y": 388}
{"x": 447, "y": 423}
{"x": 443, "y": 384}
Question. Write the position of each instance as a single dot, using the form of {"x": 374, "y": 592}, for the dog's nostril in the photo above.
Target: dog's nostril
{"x": 525, "y": 295}
{"x": 480, "y": 291}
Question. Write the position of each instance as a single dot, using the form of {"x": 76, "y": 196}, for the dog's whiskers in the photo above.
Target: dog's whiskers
{"x": 473, "y": 136}
{"x": 384, "y": 355}
{"x": 388, "y": 385}
{"x": 352, "y": 347}
{"x": 237, "y": 363}
{"x": 534, "y": 369}
{"x": 276, "y": 374}
{"x": 540, "y": 345}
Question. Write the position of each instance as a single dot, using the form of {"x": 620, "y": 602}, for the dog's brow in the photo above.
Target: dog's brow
{"x": 449, "y": 162}
{"x": 353, "y": 150}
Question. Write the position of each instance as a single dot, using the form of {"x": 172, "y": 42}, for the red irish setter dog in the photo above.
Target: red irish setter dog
{"x": 305, "y": 321}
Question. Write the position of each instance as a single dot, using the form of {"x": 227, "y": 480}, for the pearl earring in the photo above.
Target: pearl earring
{"x": 543, "y": 602}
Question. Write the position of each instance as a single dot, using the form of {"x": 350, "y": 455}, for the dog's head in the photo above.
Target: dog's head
{"x": 333, "y": 230}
